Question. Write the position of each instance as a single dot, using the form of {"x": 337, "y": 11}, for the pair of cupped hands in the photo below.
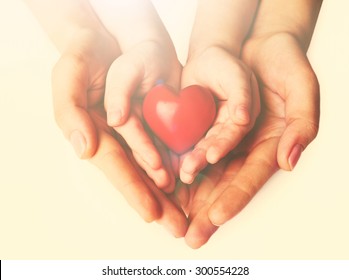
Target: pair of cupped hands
{"x": 260, "y": 126}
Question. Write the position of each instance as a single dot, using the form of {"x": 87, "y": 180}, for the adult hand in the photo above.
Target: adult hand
{"x": 288, "y": 123}
{"x": 78, "y": 84}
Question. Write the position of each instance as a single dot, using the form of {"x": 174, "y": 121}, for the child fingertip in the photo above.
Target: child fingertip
{"x": 212, "y": 155}
{"x": 114, "y": 117}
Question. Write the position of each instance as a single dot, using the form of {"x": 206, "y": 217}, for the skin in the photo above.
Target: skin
{"x": 214, "y": 63}
{"x": 275, "y": 51}
{"x": 278, "y": 57}
{"x": 214, "y": 49}
{"x": 78, "y": 85}
{"x": 145, "y": 45}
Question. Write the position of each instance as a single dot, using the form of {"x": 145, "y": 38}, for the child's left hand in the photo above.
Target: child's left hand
{"x": 236, "y": 90}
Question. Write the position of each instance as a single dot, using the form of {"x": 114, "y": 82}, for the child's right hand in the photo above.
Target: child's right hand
{"x": 129, "y": 79}
{"x": 148, "y": 56}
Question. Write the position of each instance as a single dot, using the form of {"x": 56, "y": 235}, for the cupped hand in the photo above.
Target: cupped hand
{"x": 130, "y": 77}
{"x": 236, "y": 90}
{"x": 78, "y": 84}
{"x": 288, "y": 123}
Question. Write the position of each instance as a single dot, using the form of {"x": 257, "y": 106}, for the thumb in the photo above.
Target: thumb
{"x": 69, "y": 89}
{"x": 124, "y": 76}
{"x": 302, "y": 114}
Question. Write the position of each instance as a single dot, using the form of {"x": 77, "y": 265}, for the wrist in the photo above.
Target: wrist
{"x": 296, "y": 18}
{"x": 223, "y": 23}
{"x": 131, "y": 22}
{"x": 65, "y": 18}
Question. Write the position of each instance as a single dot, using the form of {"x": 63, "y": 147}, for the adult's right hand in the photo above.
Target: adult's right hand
{"x": 288, "y": 123}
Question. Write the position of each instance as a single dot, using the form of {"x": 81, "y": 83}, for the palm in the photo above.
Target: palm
{"x": 224, "y": 189}
{"x": 80, "y": 76}
{"x": 227, "y": 180}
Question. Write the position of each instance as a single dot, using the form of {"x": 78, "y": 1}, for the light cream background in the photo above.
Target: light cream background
{"x": 53, "y": 205}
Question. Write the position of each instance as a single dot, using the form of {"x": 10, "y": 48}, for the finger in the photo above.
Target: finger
{"x": 173, "y": 219}
{"x": 182, "y": 195}
{"x": 207, "y": 182}
{"x": 229, "y": 80}
{"x": 124, "y": 76}
{"x": 224, "y": 136}
{"x": 113, "y": 161}
{"x": 286, "y": 71}
{"x": 302, "y": 116}
{"x": 192, "y": 163}
{"x": 185, "y": 193}
{"x": 258, "y": 167}
{"x": 160, "y": 176}
{"x": 140, "y": 143}
{"x": 239, "y": 92}
{"x": 167, "y": 165}
{"x": 213, "y": 184}
{"x": 200, "y": 229}
{"x": 170, "y": 216}
{"x": 224, "y": 139}
{"x": 146, "y": 153}
{"x": 219, "y": 141}
{"x": 144, "y": 150}
{"x": 69, "y": 89}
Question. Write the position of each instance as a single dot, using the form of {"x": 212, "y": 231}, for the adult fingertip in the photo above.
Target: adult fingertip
{"x": 197, "y": 236}
{"x": 294, "y": 156}
{"x": 193, "y": 243}
{"x": 150, "y": 216}
{"x": 293, "y": 142}
{"x": 78, "y": 141}
{"x": 177, "y": 225}
{"x": 151, "y": 211}
{"x": 194, "y": 239}
{"x": 216, "y": 217}
{"x": 181, "y": 231}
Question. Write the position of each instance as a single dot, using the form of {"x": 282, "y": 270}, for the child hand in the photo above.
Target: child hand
{"x": 236, "y": 89}
{"x": 148, "y": 56}
{"x": 129, "y": 79}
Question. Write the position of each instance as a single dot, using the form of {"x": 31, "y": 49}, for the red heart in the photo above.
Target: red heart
{"x": 179, "y": 120}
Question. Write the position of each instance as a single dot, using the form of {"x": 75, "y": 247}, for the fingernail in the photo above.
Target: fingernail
{"x": 79, "y": 142}
{"x": 242, "y": 115}
{"x": 114, "y": 117}
{"x": 295, "y": 155}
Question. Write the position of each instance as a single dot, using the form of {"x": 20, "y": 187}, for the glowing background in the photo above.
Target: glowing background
{"x": 54, "y": 206}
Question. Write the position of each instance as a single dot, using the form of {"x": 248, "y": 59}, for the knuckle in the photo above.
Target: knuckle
{"x": 312, "y": 129}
